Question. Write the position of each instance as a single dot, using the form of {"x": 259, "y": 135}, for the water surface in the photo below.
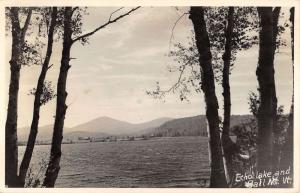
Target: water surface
{"x": 162, "y": 162}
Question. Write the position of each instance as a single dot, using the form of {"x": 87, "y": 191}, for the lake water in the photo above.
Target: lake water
{"x": 163, "y": 162}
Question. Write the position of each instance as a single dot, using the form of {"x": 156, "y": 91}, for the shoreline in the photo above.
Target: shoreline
{"x": 86, "y": 141}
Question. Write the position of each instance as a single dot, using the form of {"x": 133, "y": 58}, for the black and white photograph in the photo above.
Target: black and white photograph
{"x": 193, "y": 96}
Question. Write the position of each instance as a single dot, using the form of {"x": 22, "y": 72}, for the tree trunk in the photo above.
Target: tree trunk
{"x": 265, "y": 77}
{"x": 11, "y": 146}
{"x": 290, "y": 130}
{"x": 288, "y": 148}
{"x": 37, "y": 102}
{"x": 276, "y": 129}
{"x": 11, "y": 141}
{"x": 226, "y": 141}
{"x": 217, "y": 179}
{"x": 61, "y": 107}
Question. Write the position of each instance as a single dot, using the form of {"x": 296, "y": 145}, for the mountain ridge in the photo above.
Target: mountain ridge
{"x": 106, "y": 126}
{"x": 101, "y": 126}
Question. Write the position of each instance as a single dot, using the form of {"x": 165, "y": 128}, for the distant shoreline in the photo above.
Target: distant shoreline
{"x": 86, "y": 141}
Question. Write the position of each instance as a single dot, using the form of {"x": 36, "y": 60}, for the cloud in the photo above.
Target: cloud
{"x": 110, "y": 75}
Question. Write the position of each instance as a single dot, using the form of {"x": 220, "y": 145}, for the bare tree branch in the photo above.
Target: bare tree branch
{"x": 174, "y": 86}
{"x": 172, "y": 33}
{"x": 176, "y": 83}
{"x": 114, "y": 12}
{"x": 49, "y": 66}
{"x": 106, "y": 24}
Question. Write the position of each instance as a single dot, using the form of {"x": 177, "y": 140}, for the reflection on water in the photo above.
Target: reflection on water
{"x": 163, "y": 162}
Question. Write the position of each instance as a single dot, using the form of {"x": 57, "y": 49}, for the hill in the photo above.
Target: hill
{"x": 112, "y": 126}
{"x": 99, "y": 127}
{"x": 106, "y": 126}
{"x": 44, "y": 132}
{"x": 190, "y": 126}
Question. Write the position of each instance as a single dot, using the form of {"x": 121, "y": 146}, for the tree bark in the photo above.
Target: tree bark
{"x": 288, "y": 147}
{"x": 11, "y": 141}
{"x": 276, "y": 129}
{"x": 217, "y": 178}
{"x": 61, "y": 107}
{"x": 37, "y": 102}
{"x": 265, "y": 77}
{"x": 226, "y": 141}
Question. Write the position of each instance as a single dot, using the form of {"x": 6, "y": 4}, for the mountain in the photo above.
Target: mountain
{"x": 153, "y": 123}
{"x": 99, "y": 127}
{"x": 44, "y": 133}
{"x": 143, "y": 128}
{"x": 112, "y": 126}
{"x": 239, "y": 119}
{"x": 74, "y": 135}
{"x": 188, "y": 126}
{"x": 106, "y": 126}
{"x": 191, "y": 126}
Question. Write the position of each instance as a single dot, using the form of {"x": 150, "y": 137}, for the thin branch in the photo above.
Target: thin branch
{"x": 71, "y": 103}
{"x": 172, "y": 33}
{"x": 176, "y": 84}
{"x": 49, "y": 66}
{"x": 104, "y": 25}
{"x": 114, "y": 12}
{"x": 178, "y": 81}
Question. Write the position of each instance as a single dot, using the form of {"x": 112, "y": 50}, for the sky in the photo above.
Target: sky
{"x": 111, "y": 74}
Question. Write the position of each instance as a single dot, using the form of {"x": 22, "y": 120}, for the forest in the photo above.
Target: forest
{"x": 218, "y": 35}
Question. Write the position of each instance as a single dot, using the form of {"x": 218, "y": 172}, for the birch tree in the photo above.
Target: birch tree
{"x": 40, "y": 98}
{"x": 18, "y": 33}
{"x": 217, "y": 178}
{"x": 288, "y": 147}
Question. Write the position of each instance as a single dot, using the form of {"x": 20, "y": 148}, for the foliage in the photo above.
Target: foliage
{"x": 76, "y": 24}
{"x": 247, "y": 135}
{"x": 243, "y": 38}
{"x": 253, "y": 102}
{"x": 186, "y": 57}
{"x": 246, "y": 139}
{"x": 280, "y": 119}
{"x": 30, "y": 54}
{"x": 35, "y": 179}
{"x": 48, "y": 92}
{"x": 280, "y": 131}
{"x": 38, "y": 27}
